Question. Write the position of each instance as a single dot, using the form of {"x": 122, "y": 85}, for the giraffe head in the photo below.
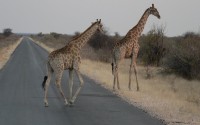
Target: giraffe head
{"x": 99, "y": 25}
{"x": 152, "y": 10}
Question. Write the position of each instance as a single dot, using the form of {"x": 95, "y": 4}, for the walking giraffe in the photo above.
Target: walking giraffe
{"x": 129, "y": 47}
{"x": 69, "y": 58}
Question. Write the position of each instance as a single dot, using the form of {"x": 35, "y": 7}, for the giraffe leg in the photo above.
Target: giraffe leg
{"x": 118, "y": 86}
{"x": 133, "y": 64}
{"x": 71, "y": 73}
{"x": 47, "y": 85}
{"x": 114, "y": 81}
{"x": 79, "y": 88}
{"x": 116, "y": 77}
{"x": 135, "y": 70}
{"x": 130, "y": 71}
{"x": 58, "y": 84}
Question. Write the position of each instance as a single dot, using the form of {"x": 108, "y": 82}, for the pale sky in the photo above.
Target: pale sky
{"x": 69, "y": 16}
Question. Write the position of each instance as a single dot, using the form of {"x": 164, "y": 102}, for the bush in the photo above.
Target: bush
{"x": 55, "y": 35}
{"x": 103, "y": 45}
{"x": 40, "y": 34}
{"x": 184, "y": 56}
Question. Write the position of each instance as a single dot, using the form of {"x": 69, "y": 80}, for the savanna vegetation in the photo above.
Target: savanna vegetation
{"x": 179, "y": 55}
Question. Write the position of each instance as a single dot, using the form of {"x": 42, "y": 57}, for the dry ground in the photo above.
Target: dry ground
{"x": 167, "y": 97}
{"x": 7, "y": 46}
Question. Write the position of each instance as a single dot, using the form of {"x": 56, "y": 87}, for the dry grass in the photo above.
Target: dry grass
{"x": 167, "y": 97}
{"x": 7, "y": 49}
{"x": 173, "y": 99}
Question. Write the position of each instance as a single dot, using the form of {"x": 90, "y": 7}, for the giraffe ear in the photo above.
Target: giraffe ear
{"x": 97, "y": 20}
{"x": 152, "y": 5}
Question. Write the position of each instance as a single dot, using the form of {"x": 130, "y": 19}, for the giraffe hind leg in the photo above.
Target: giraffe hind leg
{"x": 71, "y": 73}
{"x": 114, "y": 80}
{"x": 118, "y": 86}
{"x": 45, "y": 84}
{"x": 58, "y": 84}
{"x": 79, "y": 88}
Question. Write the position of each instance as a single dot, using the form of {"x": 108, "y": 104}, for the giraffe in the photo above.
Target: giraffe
{"x": 68, "y": 58}
{"x": 128, "y": 47}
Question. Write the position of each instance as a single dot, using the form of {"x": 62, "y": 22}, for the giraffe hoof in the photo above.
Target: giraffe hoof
{"x": 46, "y": 105}
{"x": 66, "y": 104}
{"x": 71, "y": 103}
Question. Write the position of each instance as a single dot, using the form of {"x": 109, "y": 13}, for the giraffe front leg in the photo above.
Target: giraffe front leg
{"x": 79, "y": 88}
{"x": 135, "y": 70}
{"x": 130, "y": 71}
{"x": 133, "y": 65}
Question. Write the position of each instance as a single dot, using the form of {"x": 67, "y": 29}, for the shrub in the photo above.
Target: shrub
{"x": 55, "y": 35}
{"x": 103, "y": 44}
{"x": 184, "y": 56}
{"x": 40, "y": 34}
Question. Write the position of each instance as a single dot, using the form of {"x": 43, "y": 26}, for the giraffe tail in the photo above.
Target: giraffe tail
{"x": 112, "y": 64}
{"x": 44, "y": 82}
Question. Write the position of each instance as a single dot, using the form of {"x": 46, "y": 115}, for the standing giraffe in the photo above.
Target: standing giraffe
{"x": 129, "y": 47}
{"x": 69, "y": 58}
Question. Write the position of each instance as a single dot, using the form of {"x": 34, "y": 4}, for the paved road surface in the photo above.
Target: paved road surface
{"x": 21, "y": 97}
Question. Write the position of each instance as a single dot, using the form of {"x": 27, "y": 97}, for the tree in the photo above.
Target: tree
{"x": 7, "y": 32}
{"x": 152, "y": 47}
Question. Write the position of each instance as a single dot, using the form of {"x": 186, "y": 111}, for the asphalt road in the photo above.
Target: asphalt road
{"x": 21, "y": 96}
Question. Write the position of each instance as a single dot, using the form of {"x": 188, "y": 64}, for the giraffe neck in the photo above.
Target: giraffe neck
{"x": 83, "y": 38}
{"x": 142, "y": 22}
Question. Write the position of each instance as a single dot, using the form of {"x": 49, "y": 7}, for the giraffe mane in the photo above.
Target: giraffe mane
{"x": 85, "y": 31}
